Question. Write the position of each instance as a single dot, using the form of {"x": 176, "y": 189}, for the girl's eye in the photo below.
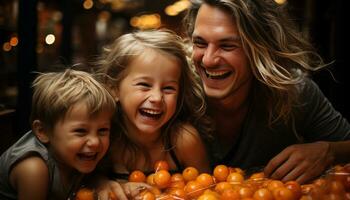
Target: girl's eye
{"x": 169, "y": 89}
{"x": 143, "y": 84}
{"x": 103, "y": 131}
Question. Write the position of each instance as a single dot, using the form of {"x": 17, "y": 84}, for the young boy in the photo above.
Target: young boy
{"x": 70, "y": 119}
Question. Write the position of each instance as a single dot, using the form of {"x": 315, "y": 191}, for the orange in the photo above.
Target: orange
{"x": 246, "y": 192}
{"x": 137, "y": 176}
{"x": 282, "y": 193}
{"x": 156, "y": 191}
{"x": 146, "y": 195}
{"x": 177, "y": 177}
{"x": 236, "y": 169}
{"x": 294, "y": 187}
{"x": 257, "y": 176}
{"x": 206, "y": 180}
{"x": 230, "y": 194}
{"x": 84, "y": 194}
{"x": 336, "y": 187}
{"x": 263, "y": 194}
{"x": 221, "y": 172}
{"x": 222, "y": 186}
{"x": 193, "y": 189}
{"x": 162, "y": 178}
{"x": 208, "y": 196}
{"x": 177, "y": 184}
{"x": 274, "y": 184}
{"x": 161, "y": 165}
{"x": 235, "y": 178}
{"x": 177, "y": 193}
{"x": 190, "y": 174}
{"x": 150, "y": 179}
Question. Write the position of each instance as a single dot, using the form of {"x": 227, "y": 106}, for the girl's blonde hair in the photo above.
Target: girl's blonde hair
{"x": 56, "y": 92}
{"x": 114, "y": 63}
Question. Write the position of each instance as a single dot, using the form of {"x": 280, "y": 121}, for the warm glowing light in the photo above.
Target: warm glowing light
{"x": 88, "y": 4}
{"x": 50, "y": 39}
{"x": 6, "y": 46}
{"x": 182, "y": 5}
{"x": 14, "y": 41}
{"x": 171, "y": 10}
{"x": 134, "y": 21}
{"x": 146, "y": 21}
{"x": 280, "y": 1}
{"x": 177, "y": 7}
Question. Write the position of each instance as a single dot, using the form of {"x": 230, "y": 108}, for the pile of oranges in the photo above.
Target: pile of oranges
{"x": 228, "y": 183}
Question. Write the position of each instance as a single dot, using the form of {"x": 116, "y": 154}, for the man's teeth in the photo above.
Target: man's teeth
{"x": 215, "y": 73}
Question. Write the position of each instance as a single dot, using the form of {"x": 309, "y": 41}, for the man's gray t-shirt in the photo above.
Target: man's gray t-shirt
{"x": 315, "y": 120}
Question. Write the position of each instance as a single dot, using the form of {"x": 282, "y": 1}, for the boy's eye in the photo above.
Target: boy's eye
{"x": 80, "y": 130}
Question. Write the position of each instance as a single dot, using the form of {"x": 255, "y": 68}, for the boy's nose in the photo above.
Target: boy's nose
{"x": 93, "y": 141}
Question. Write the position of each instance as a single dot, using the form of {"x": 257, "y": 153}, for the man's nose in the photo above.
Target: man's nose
{"x": 210, "y": 57}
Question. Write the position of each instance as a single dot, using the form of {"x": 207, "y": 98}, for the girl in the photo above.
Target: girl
{"x": 160, "y": 103}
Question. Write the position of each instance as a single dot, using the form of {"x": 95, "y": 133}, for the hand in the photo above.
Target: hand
{"x": 300, "y": 162}
{"x": 109, "y": 186}
{"x": 122, "y": 191}
{"x": 132, "y": 189}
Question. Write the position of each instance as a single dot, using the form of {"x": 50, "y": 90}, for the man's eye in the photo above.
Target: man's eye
{"x": 199, "y": 43}
{"x": 229, "y": 47}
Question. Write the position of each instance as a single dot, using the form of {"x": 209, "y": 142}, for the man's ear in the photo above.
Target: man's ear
{"x": 40, "y": 132}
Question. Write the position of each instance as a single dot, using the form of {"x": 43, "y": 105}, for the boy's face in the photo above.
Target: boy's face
{"x": 79, "y": 140}
{"x": 148, "y": 94}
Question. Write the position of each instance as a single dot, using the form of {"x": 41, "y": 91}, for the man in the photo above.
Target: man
{"x": 254, "y": 66}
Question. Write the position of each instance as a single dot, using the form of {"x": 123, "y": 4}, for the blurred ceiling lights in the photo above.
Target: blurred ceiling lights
{"x": 118, "y": 5}
{"x": 177, "y": 7}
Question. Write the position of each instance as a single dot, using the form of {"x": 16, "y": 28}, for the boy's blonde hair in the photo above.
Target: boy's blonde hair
{"x": 56, "y": 92}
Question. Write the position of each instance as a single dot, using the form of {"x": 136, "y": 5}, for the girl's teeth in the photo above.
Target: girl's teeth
{"x": 152, "y": 112}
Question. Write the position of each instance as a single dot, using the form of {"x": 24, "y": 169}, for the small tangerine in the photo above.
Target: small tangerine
{"x": 190, "y": 173}
{"x": 137, "y": 176}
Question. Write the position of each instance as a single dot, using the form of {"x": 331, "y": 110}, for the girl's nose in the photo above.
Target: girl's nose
{"x": 156, "y": 95}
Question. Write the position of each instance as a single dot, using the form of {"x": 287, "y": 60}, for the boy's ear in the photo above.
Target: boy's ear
{"x": 40, "y": 131}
